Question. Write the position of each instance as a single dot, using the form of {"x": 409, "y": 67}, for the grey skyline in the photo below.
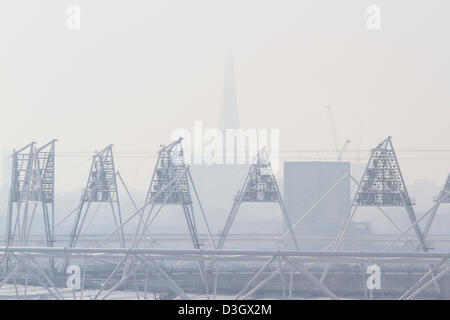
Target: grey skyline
{"x": 133, "y": 74}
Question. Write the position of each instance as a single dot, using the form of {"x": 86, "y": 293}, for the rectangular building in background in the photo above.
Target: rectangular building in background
{"x": 307, "y": 182}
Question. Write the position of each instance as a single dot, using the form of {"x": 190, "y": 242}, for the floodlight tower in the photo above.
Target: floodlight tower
{"x": 32, "y": 184}
{"x": 101, "y": 187}
{"x": 382, "y": 185}
{"x": 164, "y": 191}
{"x": 171, "y": 185}
{"x": 260, "y": 185}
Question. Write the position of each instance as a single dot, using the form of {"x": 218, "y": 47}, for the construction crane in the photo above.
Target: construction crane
{"x": 339, "y": 150}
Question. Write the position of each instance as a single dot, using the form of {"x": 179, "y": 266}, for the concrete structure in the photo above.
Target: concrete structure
{"x": 305, "y": 183}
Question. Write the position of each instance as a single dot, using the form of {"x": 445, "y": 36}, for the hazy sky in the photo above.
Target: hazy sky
{"x": 137, "y": 70}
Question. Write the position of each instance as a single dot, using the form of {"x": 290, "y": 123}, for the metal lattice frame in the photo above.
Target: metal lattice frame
{"x": 260, "y": 185}
{"x": 171, "y": 185}
{"x": 382, "y": 185}
{"x": 32, "y": 184}
{"x": 101, "y": 187}
{"x": 443, "y": 197}
{"x": 144, "y": 265}
{"x": 170, "y": 163}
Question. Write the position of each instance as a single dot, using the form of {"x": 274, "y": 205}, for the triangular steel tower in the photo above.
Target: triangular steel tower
{"x": 169, "y": 165}
{"x": 101, "y": 187}
{"x": 171, "y": 185}
{"x": 443, "y": 197}
{"x": 32, "y": 184}
{"x": 382, "y": 185}
{"x": 260, "y": 185}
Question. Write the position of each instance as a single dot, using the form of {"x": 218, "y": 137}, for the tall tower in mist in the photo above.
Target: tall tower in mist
{"x": 228, "y": 117}
{"x": 217, "y": 198}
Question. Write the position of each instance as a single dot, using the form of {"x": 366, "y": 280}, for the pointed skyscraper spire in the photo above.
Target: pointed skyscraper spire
{"x": 228, "y": 118}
